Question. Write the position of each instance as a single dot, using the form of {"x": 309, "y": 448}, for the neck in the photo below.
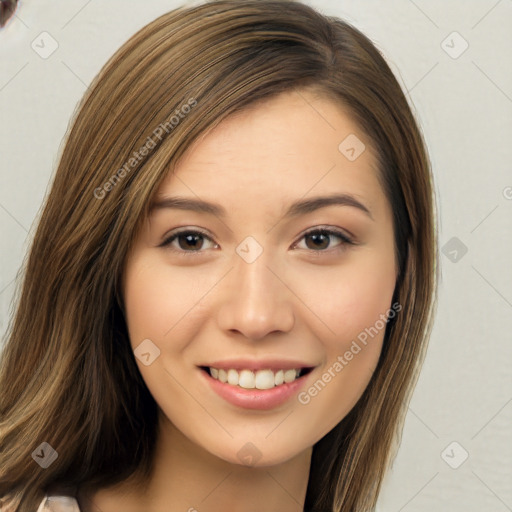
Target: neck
{"x": 186, "y": 477}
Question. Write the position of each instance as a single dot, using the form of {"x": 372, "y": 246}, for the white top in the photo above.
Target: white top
{"x": 58, "y": 504}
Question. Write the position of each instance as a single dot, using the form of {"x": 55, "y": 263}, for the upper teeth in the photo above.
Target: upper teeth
{"x": 262, "y": 379}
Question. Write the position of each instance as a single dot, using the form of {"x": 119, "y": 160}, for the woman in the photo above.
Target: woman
{"x": 231, "y": 288}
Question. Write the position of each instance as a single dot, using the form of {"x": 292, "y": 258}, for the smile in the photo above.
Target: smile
{"x": 261, "y": 379}
{"x": 260, "y": 388}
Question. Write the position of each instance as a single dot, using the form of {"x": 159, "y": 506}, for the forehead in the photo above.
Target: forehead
{"x": 292, "y": 145}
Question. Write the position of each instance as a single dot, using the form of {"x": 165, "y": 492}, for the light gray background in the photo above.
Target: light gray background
{"x": 464, "y": 106}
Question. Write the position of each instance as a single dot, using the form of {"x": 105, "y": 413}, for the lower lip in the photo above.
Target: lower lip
{"x": 259, "y": 399}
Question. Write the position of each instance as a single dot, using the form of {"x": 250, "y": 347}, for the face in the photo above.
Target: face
{"x": 253, "y": 276}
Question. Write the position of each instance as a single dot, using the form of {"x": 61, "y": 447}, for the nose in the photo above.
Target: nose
{"x": 255, "y": 300}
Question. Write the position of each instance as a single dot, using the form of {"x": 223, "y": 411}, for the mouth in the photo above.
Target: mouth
{"x": 262, "y": 379}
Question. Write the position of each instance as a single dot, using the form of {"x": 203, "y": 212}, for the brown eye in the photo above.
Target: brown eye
{"x": 188, "y": 242}
{"x": 7, "y": 8}
{"x": 320, "y": 239}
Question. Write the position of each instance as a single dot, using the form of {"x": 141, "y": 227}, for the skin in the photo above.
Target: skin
{"x": 294, "y": 301}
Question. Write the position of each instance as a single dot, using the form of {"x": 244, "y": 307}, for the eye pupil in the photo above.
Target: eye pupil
{"x": 191, "y": 239}
{"x": 322, "y": 238}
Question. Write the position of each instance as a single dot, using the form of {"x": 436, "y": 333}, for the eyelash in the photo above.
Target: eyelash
{"x": 345, "y": 240}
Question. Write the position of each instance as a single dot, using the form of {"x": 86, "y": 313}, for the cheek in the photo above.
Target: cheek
{"x": 350, "y": 300}
{"x": 156, "y": 300}
{"x": 360, "y": 297}
{"x": 367, "y": 296}
{"x": 360, "y": 300}
{"x": 351, "y": 354}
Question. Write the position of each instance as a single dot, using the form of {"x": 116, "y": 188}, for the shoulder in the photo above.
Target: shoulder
{"x": 58, "y": 503}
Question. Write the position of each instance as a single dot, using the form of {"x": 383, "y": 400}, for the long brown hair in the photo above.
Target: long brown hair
{"x": 67, "y": 374}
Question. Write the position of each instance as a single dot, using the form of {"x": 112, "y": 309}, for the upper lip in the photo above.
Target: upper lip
{"x": 255, "y": 365}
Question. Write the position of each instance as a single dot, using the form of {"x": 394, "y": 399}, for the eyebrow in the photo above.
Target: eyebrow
{"x": 296, "y": 209}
